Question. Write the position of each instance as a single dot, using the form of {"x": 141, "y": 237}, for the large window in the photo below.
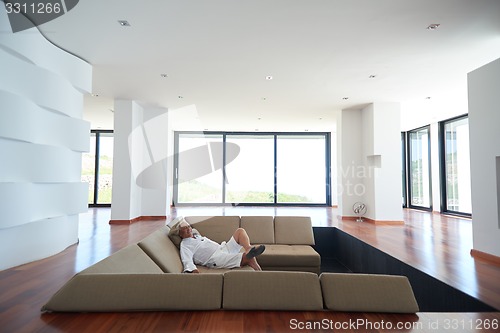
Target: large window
{"x": 455, "y": 166}
{"x": 419, "y": 167}
{"x": 301, "y": 169}
{"x": 252, "y": 168}
{"x": 97, "y": 167}
{"x": 250, "y": 177}
{"x": 199, "y": 168}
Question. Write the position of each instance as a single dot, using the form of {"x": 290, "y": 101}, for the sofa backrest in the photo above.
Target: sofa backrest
{"x": 288, "y": 230}
{"x": 138, "y": 292}
{"x": 368, "y": 293}
{"x": 272, "y": 290}
{"x": 260, "y": 229}
{"x": 130, "y": 259}
{"x": 217, "y": 228}
{"x": 293, "y": 230}
{"x": 162, "y": 251}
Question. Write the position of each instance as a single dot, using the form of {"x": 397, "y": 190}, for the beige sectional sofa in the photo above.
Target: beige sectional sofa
{"x": 288, "y": 239}
{"x": 146, "y": 276}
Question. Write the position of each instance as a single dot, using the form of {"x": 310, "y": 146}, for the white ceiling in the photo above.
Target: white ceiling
{"x": 218, "y": 53}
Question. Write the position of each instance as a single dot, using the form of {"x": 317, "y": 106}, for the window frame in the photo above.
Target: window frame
{"x": 404, "y": 171}
{"x": 98, "y": 133}
{"x": 442, "y": 167}
{"x": 328, "y": 196}
{"x": 409, "y": 170}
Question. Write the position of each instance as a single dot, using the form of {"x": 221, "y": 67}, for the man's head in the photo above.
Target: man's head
{"x": 185, "y": 230}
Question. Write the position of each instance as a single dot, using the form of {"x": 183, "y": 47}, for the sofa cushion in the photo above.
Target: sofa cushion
{"x": 293, "y": 230}
{"x": 138, "y": 292}
{"x": 280, "y": 256}
{"x": 162, "y": 251}
{"x": 368, "y": 293}
{"x": 287, "y": 291}
{"x": 217, "y": 228}
{"x": 130, "y": 259}
{"x": 260, "y": 229}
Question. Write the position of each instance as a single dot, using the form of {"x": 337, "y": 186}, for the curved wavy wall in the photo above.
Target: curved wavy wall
{"x": 42, "y": 137}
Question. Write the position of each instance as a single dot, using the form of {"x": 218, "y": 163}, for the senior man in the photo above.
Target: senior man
{"x": 196, "y": 249}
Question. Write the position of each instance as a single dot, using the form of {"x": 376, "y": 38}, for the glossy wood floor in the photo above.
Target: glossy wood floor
{"x": 435, "y": 244}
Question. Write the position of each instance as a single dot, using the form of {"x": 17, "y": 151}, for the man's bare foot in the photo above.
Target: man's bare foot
{"x": 254, "y": 264}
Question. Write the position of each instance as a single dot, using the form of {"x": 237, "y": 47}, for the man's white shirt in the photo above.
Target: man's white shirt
{"x": 196, "y": 251}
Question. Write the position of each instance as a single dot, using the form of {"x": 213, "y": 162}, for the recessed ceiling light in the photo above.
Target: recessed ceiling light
{"x": 269, "y": 78}
{"x": 180, "y": 97}
{"x": 124, "y": 23}
{"x": 372, "y": 76}
{"x": 433, "y": 26}
{"x": 428, "y": 97}
{"x": 95, "y": 95}
{"x": 163, "y": 75}
{"x": 345, "y": 98}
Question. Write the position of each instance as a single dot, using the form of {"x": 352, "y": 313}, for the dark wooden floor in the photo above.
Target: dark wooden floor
{"x": 435, "y": 244}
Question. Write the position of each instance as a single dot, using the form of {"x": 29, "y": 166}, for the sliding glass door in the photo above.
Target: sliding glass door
{"x": 301, "y": 169}
{"x": 198, "y": 172}
{"x": 419, "y": 168}
{"x": 252, "y": 168}
{"x": 455, "y": 166}
{"x": 250, "y": 177}
{"x": 97, "y": 167}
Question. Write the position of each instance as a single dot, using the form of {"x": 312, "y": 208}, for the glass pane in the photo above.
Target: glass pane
{"x": 105, "y": 168}
{"x": 88, "y": 168}
{"x": 301, "y": 169}
{"x": 199, "y": 170}
{"x": 250, "y": 177}
{"x": 419, "y": 168}
{"x": 457, "y": 161}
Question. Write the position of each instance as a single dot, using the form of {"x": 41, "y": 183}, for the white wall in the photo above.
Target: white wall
{"x": 484, "y": 125}
{"x": 42, "y": 136}
{"x": 350, "y": 188}
{"x": 140, "y": 161}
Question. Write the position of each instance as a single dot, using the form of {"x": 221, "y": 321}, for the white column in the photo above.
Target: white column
{"x": 140, "y": 159}
{"x": 369, "y": 167}
{"x": 349, "y": 188}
